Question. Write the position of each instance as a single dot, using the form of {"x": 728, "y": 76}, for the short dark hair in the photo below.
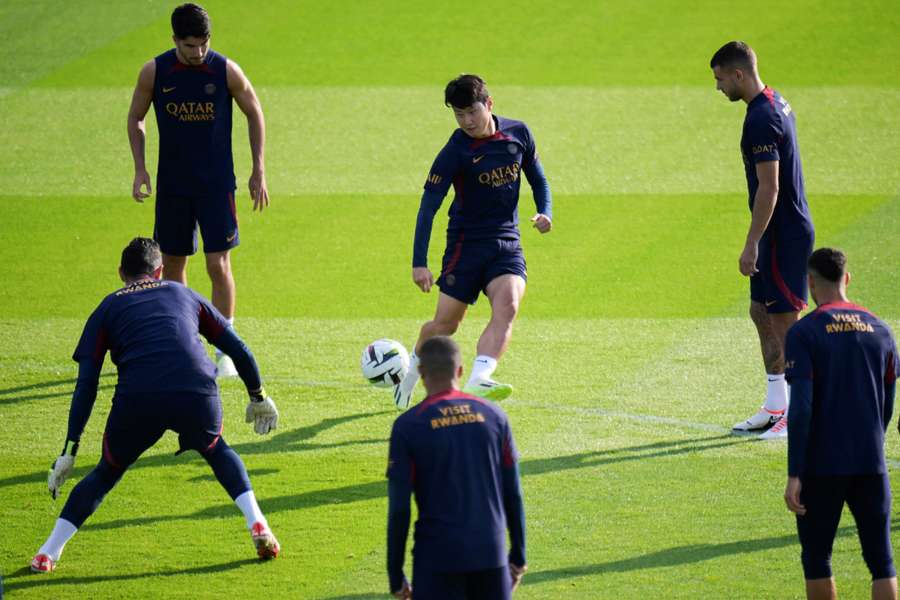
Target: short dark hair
{"x": 140, "y": 257}
{"x": 190, "y": 20}
{"x": 439, "y": 358}
{"x": 734, "y": 55}
{"x": 466, "y": 90}
{"x": 828, "y": 263}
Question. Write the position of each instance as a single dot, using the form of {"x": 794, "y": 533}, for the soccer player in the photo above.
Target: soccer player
{"x": 781, "y": 235}
{"x": 191, "y": 88}
{"x": 165, "y": 381}
{"x": 483, "y": 159}
{"x": 842, "y": 364}
{"x": 456, "y": 453}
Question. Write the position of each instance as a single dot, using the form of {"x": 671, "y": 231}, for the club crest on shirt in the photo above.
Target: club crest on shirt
{"x": 450, "y": 279}
{"x": 210, "y": 88}
{"x": 512, "y": 148}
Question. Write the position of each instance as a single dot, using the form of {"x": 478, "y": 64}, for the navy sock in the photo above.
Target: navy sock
{"x": 228, "y": 468}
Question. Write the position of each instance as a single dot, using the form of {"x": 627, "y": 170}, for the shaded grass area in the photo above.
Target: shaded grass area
{"x": 403, "y": 42}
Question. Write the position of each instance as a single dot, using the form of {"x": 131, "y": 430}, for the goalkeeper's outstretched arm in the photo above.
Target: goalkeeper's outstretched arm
{"x": 232, "y": 345}
{"x": 83, "y": 398}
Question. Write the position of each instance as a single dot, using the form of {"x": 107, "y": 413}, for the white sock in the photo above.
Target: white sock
{"x": 483, "y": 367}
{"x": 62, "y": 533}
{"x": 776, "y": 395}
{"x": 247, "y": 503}
{"x": 412, "y": 377}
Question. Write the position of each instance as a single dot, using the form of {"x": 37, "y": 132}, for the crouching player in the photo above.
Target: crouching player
{"x": 166, "y": 381}
{"x": 456, "y": 453}
{"x": 842, "y": 366}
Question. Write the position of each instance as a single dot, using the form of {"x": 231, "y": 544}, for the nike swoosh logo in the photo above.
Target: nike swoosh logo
{"x": 771, "y": 303}
{"x": 230, "y": 238}
{"x": 477, "y": 158}
{"x": 167, "y": 90}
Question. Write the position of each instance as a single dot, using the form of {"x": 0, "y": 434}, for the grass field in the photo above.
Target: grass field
{"x": 633, "y": 355}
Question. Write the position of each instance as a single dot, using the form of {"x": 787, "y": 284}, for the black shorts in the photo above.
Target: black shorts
{"x": 869, "y": 499}
{"x": 781, "y": 284}
{"x": 136, "y": 423}
{"x": 177, "y": 220}
{"x": 489, "y": 584}
{"x": 469, "y": 266}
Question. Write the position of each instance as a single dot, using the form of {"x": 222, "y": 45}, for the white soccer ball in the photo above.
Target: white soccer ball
{"x": 384, "y": 362}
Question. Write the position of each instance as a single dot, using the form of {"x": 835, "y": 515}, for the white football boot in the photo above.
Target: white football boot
{"x": 225, "y": 366}
{"x": 402, "y": 396}
{"x": 763, "y": 419}
{"x": 777, "y": 431}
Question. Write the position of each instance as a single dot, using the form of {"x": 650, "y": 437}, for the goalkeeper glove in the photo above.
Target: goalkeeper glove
{"x": 261, "y": 412}
{"x": 61, "y": 468}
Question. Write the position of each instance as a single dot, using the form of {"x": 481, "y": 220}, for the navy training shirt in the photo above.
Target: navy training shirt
{"x": 150, "y": 329}
{"x": 452, "y": 449}
{"x": 193, "y": 113}
{"x": 850, "y": 355}
{"x": 770, "y": 133}
{"x": 486, "y": 177}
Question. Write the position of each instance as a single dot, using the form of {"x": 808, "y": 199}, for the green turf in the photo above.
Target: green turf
{"x": 633, "y": 355}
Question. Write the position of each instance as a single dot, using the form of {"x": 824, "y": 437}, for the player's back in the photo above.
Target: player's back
{"x": 851, "y": 354}
{"x": 193, "y": 113}
{"x": 459, "y": 445}
{"x": 151, "y": 331}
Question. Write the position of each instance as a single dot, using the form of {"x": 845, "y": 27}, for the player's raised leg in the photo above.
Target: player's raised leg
{"x": 218, "y": 266}
{"x": 447, "y": 317}
{"x": 505, "y": 294}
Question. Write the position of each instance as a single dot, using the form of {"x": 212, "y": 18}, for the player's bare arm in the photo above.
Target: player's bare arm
{"x": 137, "y": 129}
{"x": 245, "y": 96}
{"x": 763, "y": 208}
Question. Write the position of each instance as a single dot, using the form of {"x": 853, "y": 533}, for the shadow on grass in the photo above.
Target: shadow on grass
{"x": 678, "y": 555}
{"x": 69, "y": 383}
{"x": 378, "y": 489}
{"x": 24, "y": 578}
{"x": 293, "y": 440}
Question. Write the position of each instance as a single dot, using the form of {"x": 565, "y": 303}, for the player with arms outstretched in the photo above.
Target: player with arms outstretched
{"x": 781, "y": 235}
{"x": 483, "y": 161}
{"x": 191, "y": 88}
{"x": 165, "y": 382}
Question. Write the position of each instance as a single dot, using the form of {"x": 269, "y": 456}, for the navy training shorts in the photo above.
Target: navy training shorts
{"x": 869, "y": 500}
{"x": 178, "y": 217}
{"x": 489, "y": 584}
{"x": 137, "y": 422}
{"x": 781, "y": 283}
{"x": 469, "y": 266}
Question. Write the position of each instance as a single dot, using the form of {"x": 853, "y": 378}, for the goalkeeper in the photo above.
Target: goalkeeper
{"x": 166, "y": 381}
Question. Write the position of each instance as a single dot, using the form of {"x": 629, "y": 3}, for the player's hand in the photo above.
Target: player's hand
{"x": 792, "y": 496}
{"x": 542, "y": 222}
{"x": 141, "y": 179}
{"x": 258, "y": 190}
{"x": 61, "y": 468}
{"x": 747, "y": 262}
{"x": 405, "y": 592}
{"x": 261, "y": 411}
{"x": 517, "y": 573}
{"x": 423, "y": 278}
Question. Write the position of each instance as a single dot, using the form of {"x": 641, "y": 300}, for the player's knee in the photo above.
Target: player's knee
{"x": 218, "y": 268}
{"x": 880, "y": 562}
{"x": 758, "y": 314}
{"x": 441, "y": 326}
{"x": 816, "y": 565}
